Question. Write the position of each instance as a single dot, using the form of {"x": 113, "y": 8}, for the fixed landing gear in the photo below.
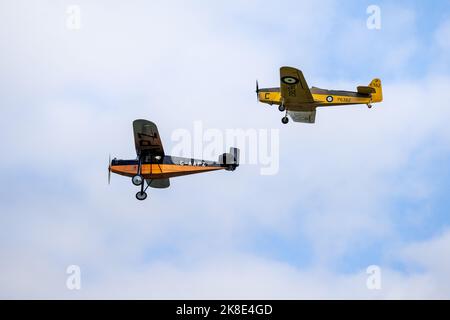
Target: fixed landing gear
{"x": 141, "y": 195}
{"x": 282, "y": 108}
{"x": 137, "y": 180}
{"x": 369, "y": 105}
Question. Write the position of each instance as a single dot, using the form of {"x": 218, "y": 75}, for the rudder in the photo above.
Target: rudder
{"x": 230, "y": 160}
{"x": 378, "y": 95}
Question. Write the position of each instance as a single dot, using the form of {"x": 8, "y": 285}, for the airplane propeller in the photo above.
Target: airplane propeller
{"x": 109, "y": 170}
{"x": 257, "y": 90}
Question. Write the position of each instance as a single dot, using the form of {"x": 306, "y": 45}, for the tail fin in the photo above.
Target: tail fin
{"x": 378, "y": 95}
{"x": 235, "y": 152}
{"x": 230, "y": 160}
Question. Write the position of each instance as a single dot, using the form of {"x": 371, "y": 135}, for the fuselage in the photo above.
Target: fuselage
{"x": 322, "y": 98}
{"x": 164, "y": 167}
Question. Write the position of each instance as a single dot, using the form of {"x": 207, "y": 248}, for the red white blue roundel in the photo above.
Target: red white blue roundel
{"x": 290, "y": 80}
{"x": 329, "y": 99}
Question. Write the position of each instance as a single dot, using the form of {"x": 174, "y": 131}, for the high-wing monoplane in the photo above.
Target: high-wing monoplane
{"x": 153, "y": 168}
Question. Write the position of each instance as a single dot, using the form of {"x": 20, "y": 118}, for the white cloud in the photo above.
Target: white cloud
{"x": 69, "y": 99}
{"x": 441, "y": 48}
{"x": 431, "y": 255}
{"x": 442, "y": 35}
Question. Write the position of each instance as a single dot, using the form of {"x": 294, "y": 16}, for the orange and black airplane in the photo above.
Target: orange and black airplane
{"x": 154, "y": 168}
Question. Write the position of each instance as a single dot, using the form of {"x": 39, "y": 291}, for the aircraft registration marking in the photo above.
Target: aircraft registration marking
{"x": 291, "y": 91}
{"x": 343, "y": 99}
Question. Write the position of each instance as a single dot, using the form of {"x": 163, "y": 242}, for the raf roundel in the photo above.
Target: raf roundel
{"x": 290, "y": 80}
{"x": 330, "y": 99}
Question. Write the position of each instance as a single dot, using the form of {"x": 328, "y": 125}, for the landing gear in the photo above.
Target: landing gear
{"x": 137, "y": 180}
{"x": 369, "y": 105}
{"x": 282, "y": 108}
{"x": 141, "y": 195}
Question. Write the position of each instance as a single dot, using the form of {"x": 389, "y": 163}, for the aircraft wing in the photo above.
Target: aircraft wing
{"x": 159, "y": 183}
{"x": 303, "y": 116}
{"x": 146, "y": 138}
{"x": 294, "y": 89}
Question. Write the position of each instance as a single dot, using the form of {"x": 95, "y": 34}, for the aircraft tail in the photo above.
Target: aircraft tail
{"x": 230, "y": 160}
{"x": 378, "y": 95}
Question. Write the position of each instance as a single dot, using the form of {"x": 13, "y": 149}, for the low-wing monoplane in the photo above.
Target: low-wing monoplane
{"x": 153, "y": 167}
{"x": 300, "y": 102}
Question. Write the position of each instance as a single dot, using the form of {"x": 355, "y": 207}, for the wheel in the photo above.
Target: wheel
{"x": 281, "y": 107}
{"x": 141, "y": 195}
{"x": 369, "y": 106}
{"x": 137, "y": 180}
{"x": 285, "y": 120}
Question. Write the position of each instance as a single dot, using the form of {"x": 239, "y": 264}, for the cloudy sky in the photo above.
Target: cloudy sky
{"x": 359, "y": 188}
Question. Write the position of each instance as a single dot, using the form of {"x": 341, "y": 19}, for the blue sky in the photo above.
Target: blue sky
{"x": 358, "y": 188}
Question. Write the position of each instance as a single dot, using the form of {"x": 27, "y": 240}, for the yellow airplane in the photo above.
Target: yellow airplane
{"x": 300, "y": 102}
{"x": 154, "y": 168}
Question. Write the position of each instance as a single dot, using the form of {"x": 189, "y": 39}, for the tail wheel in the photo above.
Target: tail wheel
{"x": 141, "y": 195}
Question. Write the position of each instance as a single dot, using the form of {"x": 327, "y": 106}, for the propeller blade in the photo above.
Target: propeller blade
{"x": 109, "y": 170}
{"x": 257, "y": 90}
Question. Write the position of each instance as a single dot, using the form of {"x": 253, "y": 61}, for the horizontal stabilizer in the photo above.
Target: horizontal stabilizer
{"x": 366, "y": 90}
